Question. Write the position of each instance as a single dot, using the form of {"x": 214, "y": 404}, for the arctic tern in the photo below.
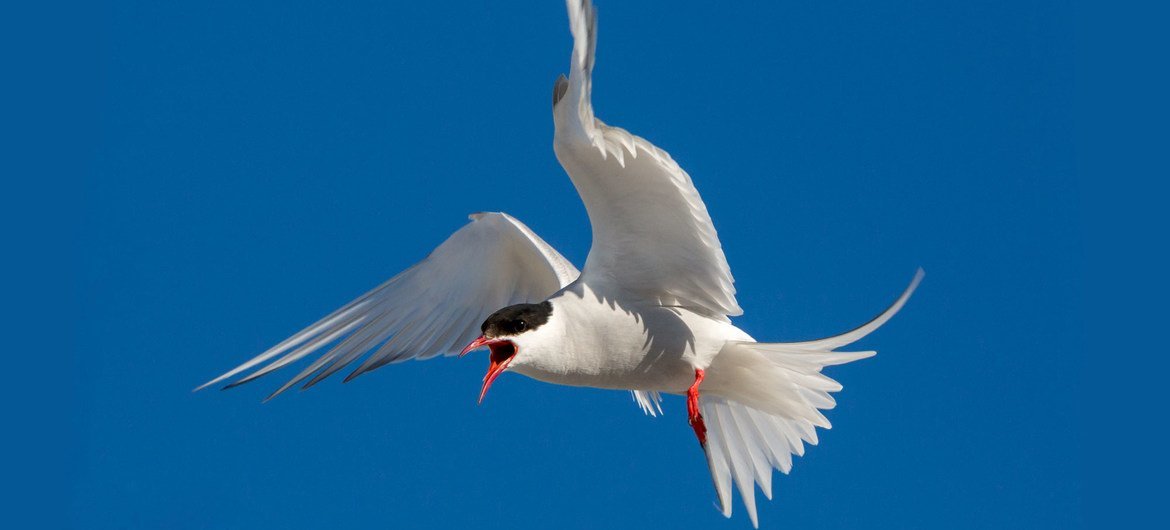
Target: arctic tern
{"x": 649, "y": 312}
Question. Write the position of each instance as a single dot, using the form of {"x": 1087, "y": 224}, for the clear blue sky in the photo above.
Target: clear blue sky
{"x": 260, "y": 164}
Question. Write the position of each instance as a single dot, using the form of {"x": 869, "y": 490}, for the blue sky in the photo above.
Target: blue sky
{"x": 259, "y": 165}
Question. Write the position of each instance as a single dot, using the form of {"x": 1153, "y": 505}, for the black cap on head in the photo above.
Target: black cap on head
{"x": 516, "y": 319}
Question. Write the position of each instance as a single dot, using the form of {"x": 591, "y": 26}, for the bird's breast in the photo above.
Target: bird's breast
{"x": 603, "y": 343}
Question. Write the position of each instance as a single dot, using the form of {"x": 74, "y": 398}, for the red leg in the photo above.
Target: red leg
{"x": 694, "y": 416}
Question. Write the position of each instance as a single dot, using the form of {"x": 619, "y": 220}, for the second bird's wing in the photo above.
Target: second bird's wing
{"x": 432, "y": 308}
{"x": 652, "y": 237}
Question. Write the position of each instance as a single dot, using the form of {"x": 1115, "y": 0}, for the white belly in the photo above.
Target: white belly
{"x": 609, "y": 344}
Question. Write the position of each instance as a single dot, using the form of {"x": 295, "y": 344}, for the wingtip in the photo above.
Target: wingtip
{"x": 241, "y": 381}
{"x": 208, "y": 384}
{"x": 355, "y": 373}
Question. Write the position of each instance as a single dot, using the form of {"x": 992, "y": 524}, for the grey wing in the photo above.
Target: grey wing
{"x": 433, "y": 308}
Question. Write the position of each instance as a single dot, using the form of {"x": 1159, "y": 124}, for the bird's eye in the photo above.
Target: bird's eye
{"x": 521, "y": 325}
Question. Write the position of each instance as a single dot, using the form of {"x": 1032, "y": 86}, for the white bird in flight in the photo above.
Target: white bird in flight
{"x": 648, "y": 313}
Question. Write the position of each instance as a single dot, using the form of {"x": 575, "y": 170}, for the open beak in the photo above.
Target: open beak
{"x": 476, "y": 344}
{"x": 503, "y": 351}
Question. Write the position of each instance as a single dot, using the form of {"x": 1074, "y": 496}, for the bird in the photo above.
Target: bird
{"x": 649, "y": 312}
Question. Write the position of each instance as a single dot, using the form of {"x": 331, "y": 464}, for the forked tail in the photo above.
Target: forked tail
{"x": 763, "y": 401}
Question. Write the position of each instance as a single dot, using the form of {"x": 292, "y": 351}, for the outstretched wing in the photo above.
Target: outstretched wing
{"x": 432, "y": 308}
{"x": 652, "y": 236}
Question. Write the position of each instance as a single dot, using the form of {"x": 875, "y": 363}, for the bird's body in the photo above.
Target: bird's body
{"x": 649, "y": 312}
{"x": 606, "y": 342}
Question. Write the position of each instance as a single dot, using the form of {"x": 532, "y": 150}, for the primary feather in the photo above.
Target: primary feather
{"x": 433, "y": 308}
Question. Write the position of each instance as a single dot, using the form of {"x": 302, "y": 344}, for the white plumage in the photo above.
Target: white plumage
{"x": 649, "y": 312}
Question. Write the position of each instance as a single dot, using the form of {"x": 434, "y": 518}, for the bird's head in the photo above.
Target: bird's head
{"x": 507, "y": 333}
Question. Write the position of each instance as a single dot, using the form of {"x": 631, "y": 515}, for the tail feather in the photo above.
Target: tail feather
{"x": 762, "y": 402}
{"x": 849, "y": 337}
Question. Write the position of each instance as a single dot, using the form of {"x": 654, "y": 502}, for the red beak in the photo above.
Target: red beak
{"x": 503, "y": 351}
{"x": 475, "y": 344}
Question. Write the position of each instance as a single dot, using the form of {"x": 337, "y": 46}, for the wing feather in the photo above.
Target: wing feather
{"x": 652, "y": 236}
{"x": 430, "y": 309}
